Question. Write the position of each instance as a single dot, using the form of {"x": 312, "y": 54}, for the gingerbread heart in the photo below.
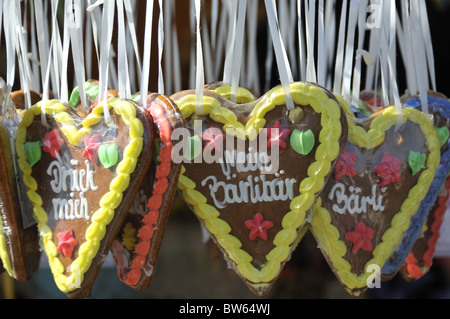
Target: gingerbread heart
{"x": 137, "y": 246}
{"x": 19, "y": 240}
{"x": 419, "y": 244}
{"x": 82, "y": 175}
{"x": 377, "y": 185}
{"x": 251, "y": 173}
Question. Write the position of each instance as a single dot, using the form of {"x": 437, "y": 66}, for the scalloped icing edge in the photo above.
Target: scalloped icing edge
{"x": 327, "y": 234}
{"x": 431, "y": 243}
{"x": 243, "y": 95}
{"x": 103, "y": 216}
{"x": 328, "y": 151}
{"x": 136, "y": 271}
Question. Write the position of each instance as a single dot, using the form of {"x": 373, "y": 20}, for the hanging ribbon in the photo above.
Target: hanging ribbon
{"x": 238, "y": 50}
{"x": 200, "y": 76}
{"x": 105, "y": 51}
{"x": 147, "y": 52}
{"x": 123, "y": 73}
{"x": 280, "y": 53}
{"x": 76, "y": 38}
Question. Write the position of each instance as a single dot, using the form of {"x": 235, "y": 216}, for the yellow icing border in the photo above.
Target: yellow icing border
{"x": 108, "y": 203}
{"x": 328, "y": 151}
{"x": 243, "y": 95}
{"x": 328, "y": 235}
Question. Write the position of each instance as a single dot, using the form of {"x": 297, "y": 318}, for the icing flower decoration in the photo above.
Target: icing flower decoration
{"x": 345, "y": 166}
{"x": 67, "y": 243}
{"x": 303, "y": 141}
{"x": 388, "y": 169}
{"x": 129, "y": 236}
{"x": 277, "y": 135}
{"x": 91, "y": 145}
{"x": 360, "y": 238}
{"x": 213, "y": 139}
{"x": 33, "y": 152}
{"x": 258, "y": 227}
{"x": 414, "y": 271}
{"x": 53, "y": 143}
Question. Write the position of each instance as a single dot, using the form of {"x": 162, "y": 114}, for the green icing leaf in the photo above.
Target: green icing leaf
{"x": 108, "y": 155}
{"x": 90, "y": 89}
{"x": 416, "y": 161}
{"x": 194, "y": 147}
{"x": 444, "y": 134}
{"x": 303, "y": 141}
{"x": 33, "y": 152}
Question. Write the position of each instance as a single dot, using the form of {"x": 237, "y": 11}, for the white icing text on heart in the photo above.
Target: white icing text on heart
{"x": 354, "y": 202}
{"x": 254, "y": 189}
{"x": 71, "y": 180}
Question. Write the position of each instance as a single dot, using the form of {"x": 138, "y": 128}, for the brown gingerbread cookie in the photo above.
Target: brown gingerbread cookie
{"x": 251, "y": 174}
{"x": 137, "y": 246}
{"x": 82, "y": 175}
{"x": 19, "y": 240}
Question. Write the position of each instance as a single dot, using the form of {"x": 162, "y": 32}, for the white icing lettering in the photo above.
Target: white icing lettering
{"x": 354, "y": 202}
{"x": 73, "y": 180}
{"x": 253, "y": 189}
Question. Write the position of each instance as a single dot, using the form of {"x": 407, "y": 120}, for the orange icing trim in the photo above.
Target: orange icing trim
{"x": 435, "y": 227}
{"x": 145, "y": 234}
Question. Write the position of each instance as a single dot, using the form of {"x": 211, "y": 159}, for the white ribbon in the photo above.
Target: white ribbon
{"x": 76, "y": 37}
{"x": 238, "y": 52}
{"x": 147, "y": 52}
{"x": 161, "y": 89}
{"x": 123, "y": 73}
{"x": 200, "y": 76}
{"x": 280, "y": 53}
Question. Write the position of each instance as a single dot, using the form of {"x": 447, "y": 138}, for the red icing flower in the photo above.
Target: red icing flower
{"x": 213, "y": 139}
{"x": 360, "y": 238}
{"x": 414, "y": 271}
{"x": 91, "y": 145}
{"x": 53, "y": 143}
{"x": 258, "y": 227}
{"x": 277, "y": 135}
{"x": 388, "y": 169}
{"x": 67, "y": 243}
{"x": 345, "y": 166}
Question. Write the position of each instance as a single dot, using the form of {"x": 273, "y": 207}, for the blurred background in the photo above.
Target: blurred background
{"x": 189, "y": 268}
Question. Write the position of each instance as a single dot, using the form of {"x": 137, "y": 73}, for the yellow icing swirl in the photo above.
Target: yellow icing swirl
{"x": 328, "y": 235}
{"x": 328, "y": 151}
{"x": 108, "y": 203}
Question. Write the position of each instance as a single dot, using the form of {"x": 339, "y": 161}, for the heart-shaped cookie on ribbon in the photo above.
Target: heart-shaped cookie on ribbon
{"x": 377, "y": 185}
{"x": 19, "y": 240}
{"x": 251, "y": 173}
{"x": 82, "y": 175}
{"x": 419, "y": 245}
{"x": 137, "y": 246}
